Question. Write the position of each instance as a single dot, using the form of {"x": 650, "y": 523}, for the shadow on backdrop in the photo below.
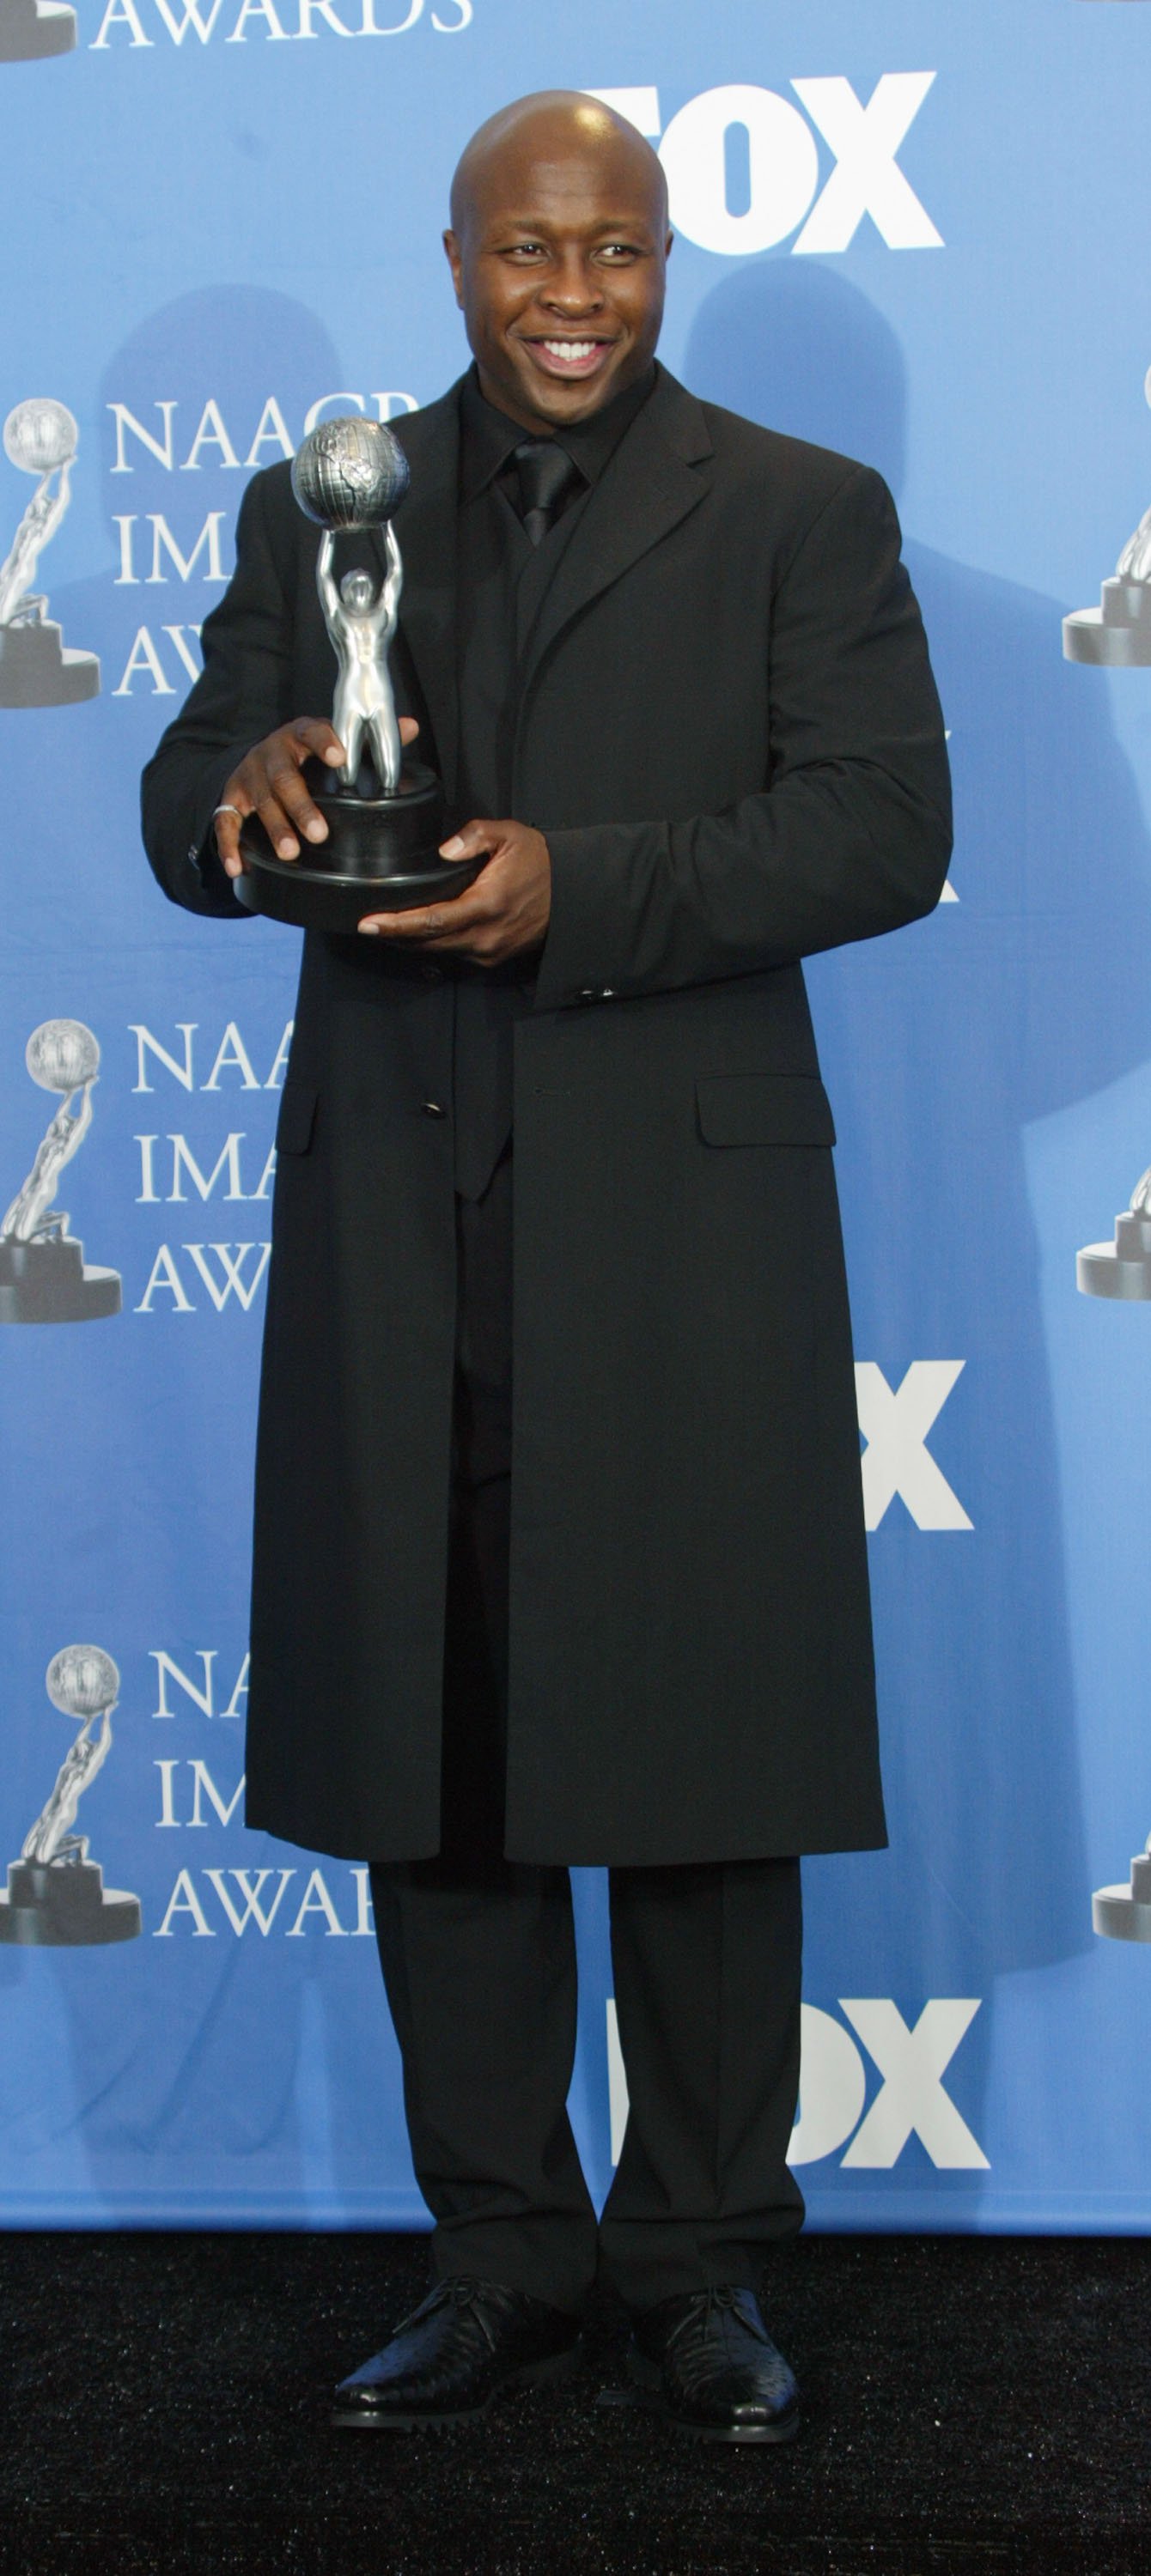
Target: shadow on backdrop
{"x": 938, "y": 1047}
{"x": 251, "y": 2063}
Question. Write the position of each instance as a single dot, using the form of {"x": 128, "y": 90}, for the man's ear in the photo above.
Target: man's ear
{"x": 455, "y": 263}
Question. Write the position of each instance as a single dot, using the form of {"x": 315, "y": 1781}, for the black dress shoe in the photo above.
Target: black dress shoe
{"x": 708, "y": 2363}
{"x": 447, "y": 2361}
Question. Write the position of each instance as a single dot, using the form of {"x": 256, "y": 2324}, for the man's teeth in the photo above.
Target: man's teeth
{"x": 570, "y": 348}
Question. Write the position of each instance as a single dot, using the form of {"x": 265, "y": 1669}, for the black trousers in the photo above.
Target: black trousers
{"x": 478, "y": 1955}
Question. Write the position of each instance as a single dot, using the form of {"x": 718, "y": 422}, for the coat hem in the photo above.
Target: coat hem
{"x": 595, "y": 1857}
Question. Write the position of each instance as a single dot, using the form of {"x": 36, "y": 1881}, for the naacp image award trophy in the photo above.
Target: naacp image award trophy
{"x": 385, "y": 817}
{"x": 44, "y": 1278}
{"x": 56, "y": 1897}
{"x": 37, "y": 668}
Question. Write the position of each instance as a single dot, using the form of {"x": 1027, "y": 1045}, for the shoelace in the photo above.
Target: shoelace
{"x": 462, "y": 2291}
{"x": 721, "y": 2300}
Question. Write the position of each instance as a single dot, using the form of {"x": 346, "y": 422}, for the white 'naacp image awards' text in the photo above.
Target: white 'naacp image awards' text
{"x": 187, "y": 1276}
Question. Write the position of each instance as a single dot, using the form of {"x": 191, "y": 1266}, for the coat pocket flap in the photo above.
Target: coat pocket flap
{"x": 297, "y": 1118}
{"x": 764, "y": 1109}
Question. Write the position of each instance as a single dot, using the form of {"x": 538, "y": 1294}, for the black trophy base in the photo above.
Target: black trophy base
{"x": 48, "y": 1283}
{"x": 64, "y": 1905}
{"x": 38, "y": 670}
{"x": 1118, "y": 633}
{"x": 381, "y": 855}
{"x": 27, "y": 32}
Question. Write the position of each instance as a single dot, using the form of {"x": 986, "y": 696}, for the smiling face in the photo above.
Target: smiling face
{"x": 558, "y": 247}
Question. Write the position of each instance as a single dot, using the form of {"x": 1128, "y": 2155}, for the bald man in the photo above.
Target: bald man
{"x": 559, "y": 1553}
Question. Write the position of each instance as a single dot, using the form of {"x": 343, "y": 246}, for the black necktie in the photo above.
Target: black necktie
{"x": 547, "y": 476}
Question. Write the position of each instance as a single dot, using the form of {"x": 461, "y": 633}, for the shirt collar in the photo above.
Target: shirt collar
{"x": 488, "y": 437}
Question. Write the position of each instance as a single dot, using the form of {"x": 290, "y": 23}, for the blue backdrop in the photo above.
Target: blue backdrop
{"x": 915, "y": 233}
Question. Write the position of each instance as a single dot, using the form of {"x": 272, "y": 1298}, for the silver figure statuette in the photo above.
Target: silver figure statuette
{"x": 1118, "y": 632}
{"x": 361, "y": 621}
{"x": 43, "y": 1277}
{"x": 56, "y": 1895}
{"x": 385, "y": 815}
{"x": 349, "y": 476}
{"x": 29, "y": 29}
{"x": 85, "y": 1683}
{"x": 36, "y": 668}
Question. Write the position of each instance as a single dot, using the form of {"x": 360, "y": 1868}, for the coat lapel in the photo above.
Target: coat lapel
{"x": 426, "y": 529}
{"x": 657, "y": 474}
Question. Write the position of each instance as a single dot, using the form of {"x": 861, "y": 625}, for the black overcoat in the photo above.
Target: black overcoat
{"x": 728, "y": 730}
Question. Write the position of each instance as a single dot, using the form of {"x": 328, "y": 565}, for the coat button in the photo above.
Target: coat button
{"x": 432, "y": 974}
{"x": 433, "y": 1109}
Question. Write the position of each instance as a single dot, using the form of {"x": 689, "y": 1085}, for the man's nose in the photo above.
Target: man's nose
{"x": 574, "y": 287}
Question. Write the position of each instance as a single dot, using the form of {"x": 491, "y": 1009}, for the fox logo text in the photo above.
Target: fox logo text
{"x": 744, "y": 169}
{"x": 910, "y": 2059}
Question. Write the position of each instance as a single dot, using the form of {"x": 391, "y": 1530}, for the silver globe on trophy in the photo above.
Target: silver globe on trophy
{"x": 385, "y": 816}
{"x": 1118, "y": 632}
{"x": 29, "y": 29}
{"x": 43, "y": 1275}
{"x": 37, "y": 669}
{"x": 56, "y": 1897}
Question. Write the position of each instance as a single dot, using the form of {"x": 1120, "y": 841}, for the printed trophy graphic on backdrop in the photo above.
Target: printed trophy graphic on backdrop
{"x": 1123, "y": 1912}
{"x": 56, "y": 1897}
{"x": 385, "y": 821}
{"x": 36, "y": 668}
{"x": 1122, "y": 1268}
{"x": 32, "y": 28}
{"x": 43, "y": 1275}
{"x": 1118, "y": 632}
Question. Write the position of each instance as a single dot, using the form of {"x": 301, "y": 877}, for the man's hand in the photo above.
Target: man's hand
{"x": 269, "y": 783}
{"x": 504, "y": 912}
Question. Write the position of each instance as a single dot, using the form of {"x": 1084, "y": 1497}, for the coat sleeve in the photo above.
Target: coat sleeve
{"x": 240, "y": 696}
{"x": 852, "y": 831}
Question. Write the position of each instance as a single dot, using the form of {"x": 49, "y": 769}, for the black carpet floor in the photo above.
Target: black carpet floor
{"x": 970, "y": 2405}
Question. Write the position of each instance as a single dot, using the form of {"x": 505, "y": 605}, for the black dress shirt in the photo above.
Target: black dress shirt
{"x": 502, "y": 582}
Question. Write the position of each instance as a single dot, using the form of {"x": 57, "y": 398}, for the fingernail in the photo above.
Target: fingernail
{"x": 371, "y": 927}
{"x": 316, "y": 831}
{"x": 335, "y": 756}
{"x": 287, "y": 849}
{"x": 453, "y": 849}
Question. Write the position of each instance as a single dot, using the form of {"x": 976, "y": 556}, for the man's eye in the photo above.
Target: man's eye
{"x": 618, "y": 250}
{"x": 524, "y": 250}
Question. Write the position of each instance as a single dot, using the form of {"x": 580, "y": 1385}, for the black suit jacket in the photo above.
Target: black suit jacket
{"x": 728, "y": 730}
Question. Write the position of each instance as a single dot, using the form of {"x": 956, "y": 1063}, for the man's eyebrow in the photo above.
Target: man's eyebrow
{"x": 547, "y": 223}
